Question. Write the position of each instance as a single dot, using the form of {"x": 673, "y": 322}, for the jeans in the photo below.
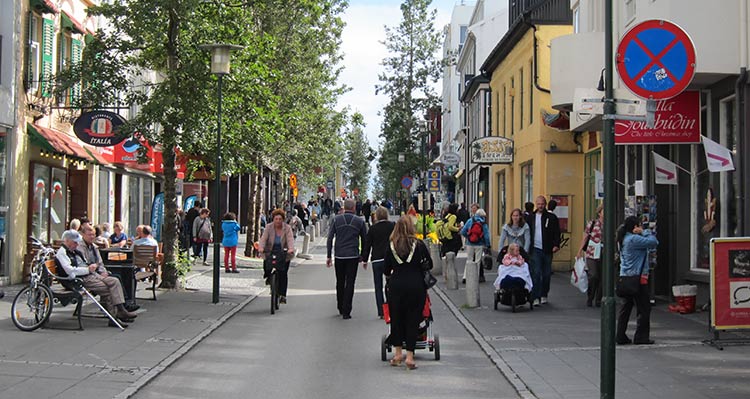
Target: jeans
{"x": 594, "y": 292}
{"x": 541, "y": 271}
{"x": 377, "y": 273}
{"x": 346, "y": 275}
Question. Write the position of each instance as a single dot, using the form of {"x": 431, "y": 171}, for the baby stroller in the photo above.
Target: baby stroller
{"x": 425, "y": 340}
{"x": 512, "y": 292}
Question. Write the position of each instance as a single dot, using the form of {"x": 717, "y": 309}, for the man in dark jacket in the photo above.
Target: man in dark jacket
{"x": 348, "y": 229}
{"x": 462, "y": 214}
{"x": 190, "y": 216}
{"x": 545, "y": 239}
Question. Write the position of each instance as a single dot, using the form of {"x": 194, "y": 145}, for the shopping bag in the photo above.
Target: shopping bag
{"x": 578, "y": 276}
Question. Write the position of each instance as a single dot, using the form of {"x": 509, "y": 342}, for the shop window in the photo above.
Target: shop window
{"x": 134, "y": 204}
{"x": 501, "y": 204}
{"x": 527, "y": 182}
{"x": 705, "y": 193}
{"x": 531, "y": 92}
{"x": 49, "y": 204}
{"x": 592, "y": 163}
{"x": 731, "y": 186}
{"x": 148, "y": 199}
{"x": 104, "y": 200}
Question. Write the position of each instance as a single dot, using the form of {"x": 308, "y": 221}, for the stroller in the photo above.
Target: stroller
{"x": 425, "y": 340}
{"x": 516, "y": 294}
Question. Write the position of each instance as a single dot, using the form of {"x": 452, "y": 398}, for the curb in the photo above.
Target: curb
{"x": 505, "y": 369}
{"x": 180, "y": 352}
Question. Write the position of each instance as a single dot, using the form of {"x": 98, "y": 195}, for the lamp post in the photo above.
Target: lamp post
{"x": 423, "y": 180}
{"x": 219, "y": 67}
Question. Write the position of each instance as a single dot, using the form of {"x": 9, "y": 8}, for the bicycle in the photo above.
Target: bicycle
{"x": 274, "y": 259}
{"x": 32, "y": 306}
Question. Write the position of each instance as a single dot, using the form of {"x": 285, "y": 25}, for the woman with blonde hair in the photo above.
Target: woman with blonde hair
{"x": 376, "y": 242}
{"x": 405, "y": 262}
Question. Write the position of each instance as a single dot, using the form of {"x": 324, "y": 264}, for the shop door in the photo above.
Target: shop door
{"x": 79, "y": 193}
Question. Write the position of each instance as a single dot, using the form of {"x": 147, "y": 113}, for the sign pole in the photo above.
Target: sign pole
{"x": 607, "y": 366}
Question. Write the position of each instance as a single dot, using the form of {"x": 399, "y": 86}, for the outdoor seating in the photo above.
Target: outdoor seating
{"x": 144, "y": 259}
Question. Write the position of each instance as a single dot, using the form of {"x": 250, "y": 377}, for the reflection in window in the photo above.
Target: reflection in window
{"x": 40, "y": 203}
{"x": 527, "y": 182}
{"x": 58, "y": 195}
{"x": 133, "y": 204}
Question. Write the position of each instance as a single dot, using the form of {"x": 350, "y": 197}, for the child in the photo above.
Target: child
{"x": 230, "y": 227}
{"x": 513, "y": 271}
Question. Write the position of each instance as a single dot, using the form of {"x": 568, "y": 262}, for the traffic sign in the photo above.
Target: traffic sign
{"x": 433, "y": 180}
{"x": 406, "y": 182}
{"x": 656, "y": 59}
{"x": 293, "y": 181}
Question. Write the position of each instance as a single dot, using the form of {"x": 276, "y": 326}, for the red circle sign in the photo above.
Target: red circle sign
{"x": 656, "y": 59}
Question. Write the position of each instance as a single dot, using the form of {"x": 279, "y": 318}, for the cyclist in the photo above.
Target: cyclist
{"x": 277, "y": 236}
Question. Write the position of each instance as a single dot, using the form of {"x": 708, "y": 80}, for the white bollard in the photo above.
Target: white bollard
{"x": 311, "y": 232}
{"x": 437, "y": 263}
{"x": 305, "y": 248}
{"x": 316, "y": 226}
{"x": 451, "y": 277}
{"x": 472, "y": 284}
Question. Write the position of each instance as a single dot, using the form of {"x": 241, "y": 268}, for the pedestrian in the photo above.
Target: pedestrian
{"x": 462, "y": 214}
{"x": 516, "y": 231}
{"x": 276, "y": 237}
{"x": 635, "y": 243}
{"x": 231, "y": 229}
{"x": 545, "y": 237}
{"x": 349, "y": 231}
{"x": 477, "y": 236}
{"x": 405, "y": 262}
{"x": 192, "y": 214}
{"x": 450, "y": 223}
{"x": 513, "y": 271}
{"x": 528, "y": 211}
{"x": 366, "y": 210}
{"x": 591, "y": 246}
{"x": 202, "y": 234}
{"x": 378, "y": 237}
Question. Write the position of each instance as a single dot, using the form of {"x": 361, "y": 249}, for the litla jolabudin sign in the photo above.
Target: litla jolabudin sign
{"x": 99, "y": 128}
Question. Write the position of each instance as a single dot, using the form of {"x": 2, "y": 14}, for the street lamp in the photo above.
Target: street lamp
{"x": 219, "y": 67}
{"x": 424, "y": 130}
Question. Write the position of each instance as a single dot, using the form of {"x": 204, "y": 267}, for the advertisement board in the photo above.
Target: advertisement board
{"x": 730, "y": 283}
{"x": 676, "y": 121}
{"x": 492, "y": 150}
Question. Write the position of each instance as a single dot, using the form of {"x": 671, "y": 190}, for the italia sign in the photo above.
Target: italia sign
{"x": 99, "y": 128}
{"x": 492, "y": 150}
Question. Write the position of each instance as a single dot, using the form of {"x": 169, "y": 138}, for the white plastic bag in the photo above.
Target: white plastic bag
{"x": 578, "y": 276}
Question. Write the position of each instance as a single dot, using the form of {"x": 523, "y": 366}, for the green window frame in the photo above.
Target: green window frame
{"x": 48, "y": 38}
{"x": 75, "y": 59}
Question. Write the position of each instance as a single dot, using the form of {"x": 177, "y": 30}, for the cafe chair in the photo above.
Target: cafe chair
{"x": 144, "y": 259}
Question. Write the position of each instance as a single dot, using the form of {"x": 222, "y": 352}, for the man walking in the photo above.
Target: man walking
{"x": 545, "y": 236}
{"x": 348, "y": 230}
{"x": 190, "y": 216}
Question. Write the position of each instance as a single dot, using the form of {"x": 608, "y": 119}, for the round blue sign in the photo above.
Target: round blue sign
{"x": 406, "y": 182}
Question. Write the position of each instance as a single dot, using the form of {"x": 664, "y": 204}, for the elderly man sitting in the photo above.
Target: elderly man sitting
{"x": 73, "y": 263}
{"x": 145, "y": 237}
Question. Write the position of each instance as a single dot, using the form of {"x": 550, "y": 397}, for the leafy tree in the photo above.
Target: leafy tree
{"x": 410, "y": 70}
{"x": 356, "y": 164}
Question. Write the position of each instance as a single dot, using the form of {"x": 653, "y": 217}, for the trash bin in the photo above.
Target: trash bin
{"x": 685, "y": 297}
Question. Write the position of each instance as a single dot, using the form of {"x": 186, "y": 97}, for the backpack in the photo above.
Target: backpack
{"x": 443, "y": 231}
{"x": 476, "y": 232}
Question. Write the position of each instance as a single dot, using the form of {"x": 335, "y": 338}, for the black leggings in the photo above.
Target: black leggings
{"x": 201, "y": 246}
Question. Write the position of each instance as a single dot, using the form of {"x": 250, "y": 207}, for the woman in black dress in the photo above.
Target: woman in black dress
{"x": 405, "y": 261}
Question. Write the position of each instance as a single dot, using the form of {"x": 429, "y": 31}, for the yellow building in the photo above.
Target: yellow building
{"x": 547, "y": 160}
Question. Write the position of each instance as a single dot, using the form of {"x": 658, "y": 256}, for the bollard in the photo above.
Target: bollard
{"x": 305, "y": 248}
{"x": 451, "y": 277}
{"x": 472, "y": 284}
{"x": 316, "y": 227}
{"x": 311, "y": 232}
{"x": 437, "y": 264}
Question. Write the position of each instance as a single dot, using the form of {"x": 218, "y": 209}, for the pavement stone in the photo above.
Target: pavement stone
{"x": 554, "y": 349}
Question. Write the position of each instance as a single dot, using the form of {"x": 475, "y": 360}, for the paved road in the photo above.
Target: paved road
{"x": 307, "y": 351}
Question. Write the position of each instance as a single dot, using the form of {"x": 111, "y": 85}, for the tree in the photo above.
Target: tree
{"x": 410, "y": 70}
{"x": 356, "y": 164}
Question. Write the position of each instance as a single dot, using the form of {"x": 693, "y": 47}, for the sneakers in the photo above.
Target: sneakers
{"x": 235, "y": 271}
{"x": 536, "y": 302}
{"x": 544, "y": 300}
{"x": 205, "y": 263}
{"x": 282, "y": 299}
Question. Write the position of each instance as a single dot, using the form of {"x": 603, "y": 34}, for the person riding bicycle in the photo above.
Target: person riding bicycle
{"x": 276, "y": 237}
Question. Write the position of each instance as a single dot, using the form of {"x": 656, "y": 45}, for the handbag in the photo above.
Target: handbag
{"x": 429, "y": 279}
{"x": 628, "y": 286}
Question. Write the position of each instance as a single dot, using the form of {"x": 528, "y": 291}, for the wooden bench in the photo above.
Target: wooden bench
{"x": 145, "y": 259}
{"x": 63, "y": 295}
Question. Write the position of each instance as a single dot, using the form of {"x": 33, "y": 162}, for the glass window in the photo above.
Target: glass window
{"x": 592, "y": 163}
{"x": 463, "y": 30}
{"x": 520, "y": 88}
{"x": 504, "y": 126}
{"x": 148, "y": 198}
{"x": 531, "y": 92}
{"x": 527, "y": 182}
{"x": 732, "y": 187}
{"x": 133, "y": 204}
{"x": 500, "y": 201}
{"x": 512, "y": 108}
{"x": 103, "y": 197}
{"x": 40, "y": 204}
{"x": 705, "y": 194}
{"x": 58, "y": 210}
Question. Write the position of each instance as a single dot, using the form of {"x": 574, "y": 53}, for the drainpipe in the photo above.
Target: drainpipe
{"x": 536, "y": 63}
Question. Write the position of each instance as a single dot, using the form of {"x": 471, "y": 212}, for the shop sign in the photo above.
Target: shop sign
{"x": 492, "y": 150}
{"x": 676, "y": 121}
{"x": 450, "y": 159}
{"x": 730, "y": 283}
{"x": 99, "y": 128}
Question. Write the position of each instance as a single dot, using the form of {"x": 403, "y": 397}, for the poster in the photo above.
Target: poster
{"x": 562, "y": 211}
{"x": 730, "y": 283}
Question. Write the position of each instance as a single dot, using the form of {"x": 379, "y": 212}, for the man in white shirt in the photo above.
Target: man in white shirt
{"x": 145, "y": 238}
{"x": 545, "y": 235}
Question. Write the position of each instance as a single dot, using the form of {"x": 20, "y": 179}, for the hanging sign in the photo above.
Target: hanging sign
{"x": 450, "y": 159}
{"x": 730, "y": 283}
{"x": 99, "y": 128}
{"x": 492, "y": 150}
{"x": 676, "y": 121}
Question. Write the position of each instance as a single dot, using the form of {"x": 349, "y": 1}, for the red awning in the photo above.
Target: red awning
{"x": 66, "y": 144}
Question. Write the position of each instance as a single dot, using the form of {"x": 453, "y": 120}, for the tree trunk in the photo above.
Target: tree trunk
{"x": 251, "y": 217}
{"x": 169, "y": 236}
{"x": 258, "y": 205}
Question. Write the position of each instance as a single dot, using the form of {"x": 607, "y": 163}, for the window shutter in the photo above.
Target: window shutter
{"x": 48, "y": 36}
{"x": 75, "y": 60}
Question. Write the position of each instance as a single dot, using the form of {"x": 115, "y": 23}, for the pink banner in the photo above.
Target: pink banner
{"x": 677, "y": 121}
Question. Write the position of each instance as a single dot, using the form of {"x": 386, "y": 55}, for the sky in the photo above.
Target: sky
{"x": 363, "y": 53}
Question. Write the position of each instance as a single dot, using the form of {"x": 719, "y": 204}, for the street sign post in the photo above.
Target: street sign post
{"x": 656, "y": 59}
{"x": 433, "y": 180}
{"x": 406, "y": 182}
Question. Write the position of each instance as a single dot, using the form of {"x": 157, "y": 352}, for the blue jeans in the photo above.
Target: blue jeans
{"x": 541, "y": 271}
{"x": 377, "y": 273}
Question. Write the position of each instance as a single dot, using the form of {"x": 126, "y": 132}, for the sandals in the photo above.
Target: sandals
{"x": 395, "y": 362}
{"x": 411, "y": 366}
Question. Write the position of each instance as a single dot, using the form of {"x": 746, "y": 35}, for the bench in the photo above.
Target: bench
{"x": 61, "y": 294}
{"x": 145, "y": 259}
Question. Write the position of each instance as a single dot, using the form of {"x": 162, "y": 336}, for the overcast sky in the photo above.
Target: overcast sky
{"x": 365, "y": 21}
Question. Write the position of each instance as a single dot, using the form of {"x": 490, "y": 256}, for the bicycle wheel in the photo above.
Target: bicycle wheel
{"x": 274, "y": 292}
{"x": 31, "y": 307}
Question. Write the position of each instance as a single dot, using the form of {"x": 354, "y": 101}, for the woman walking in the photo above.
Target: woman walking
{"x": 203, "y": 233}
{"x": 231, "y": 228}
{"x": 405, "y": 262}
{"x": 516, "y": 231}
{"x": 276, "y": 237}
{"x": 635, "y": 243}
{"x": 376, "y": 243}
{"x": 591, "y": 245}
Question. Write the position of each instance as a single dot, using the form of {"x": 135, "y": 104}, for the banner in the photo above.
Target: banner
{"x": 676, "y": 121}
{"x": 157, "y": 216}
{"x": 665, "y": 171}
{"x": 189, "y": 202}
{"x": 718, "y": 157}
{"x": 730, "y": 283}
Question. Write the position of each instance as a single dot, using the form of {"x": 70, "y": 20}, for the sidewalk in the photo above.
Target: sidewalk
{"x": 103, "y": 362}
{"x": 553, "y": 351}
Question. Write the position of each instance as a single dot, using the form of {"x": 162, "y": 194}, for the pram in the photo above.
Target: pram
{"x": 425, "y": 340}
{"x": 512, "y": 293}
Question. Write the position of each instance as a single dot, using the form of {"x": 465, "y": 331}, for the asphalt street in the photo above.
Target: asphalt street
{"x": 306, "y": 350}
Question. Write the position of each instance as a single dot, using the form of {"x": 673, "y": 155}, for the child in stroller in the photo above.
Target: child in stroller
{"x": 513, "y": 284}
